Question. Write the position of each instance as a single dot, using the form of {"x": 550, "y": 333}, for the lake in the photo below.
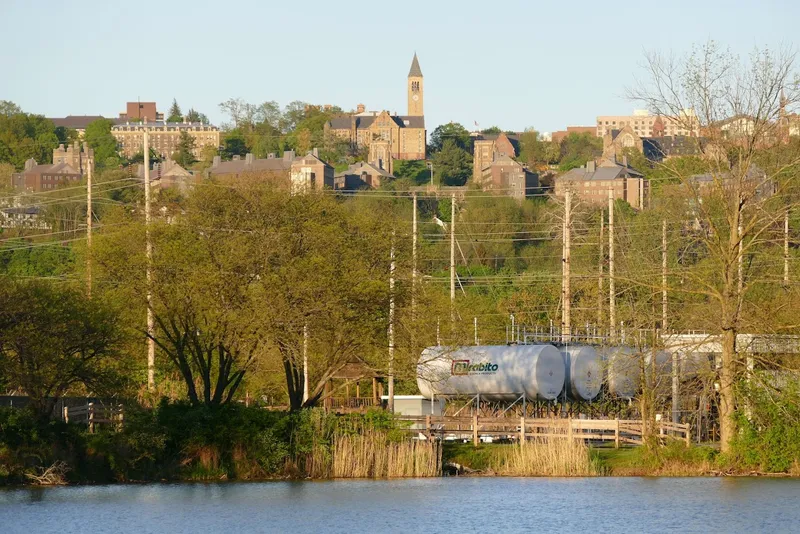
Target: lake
{"x": 415, "y": 505}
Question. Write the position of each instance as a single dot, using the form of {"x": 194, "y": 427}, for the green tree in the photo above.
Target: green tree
{"x": 452, "y": 165}
{"x": 9, "y": 108}
{"x": 195, "y": 116}
{"x": 98, "y": 136}
{"x": 174, "y": 114}
{"x": 53, "y": 339}
{"x": 233, "y": 144}
{"x": 452, "y": 131}
{"x": 491, "y": 130}
{"x": 184, "y": 156}
{"x": 577, "y": 149}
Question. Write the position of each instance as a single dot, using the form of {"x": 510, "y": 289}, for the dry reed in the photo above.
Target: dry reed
{"x": 552, "y": 457}
{"x": 373, "y": 455}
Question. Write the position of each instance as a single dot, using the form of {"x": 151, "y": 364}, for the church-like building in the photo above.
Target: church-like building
{"x": 388, "y": 136}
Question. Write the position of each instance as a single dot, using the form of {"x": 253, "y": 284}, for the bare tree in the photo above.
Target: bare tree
{"x": 739, "y": 108}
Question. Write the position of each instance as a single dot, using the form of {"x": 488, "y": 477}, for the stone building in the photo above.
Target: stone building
{"x": 80, "y": 160}
{"x": 655, "y": 149}
{"x": 35, "y": 177}
{"x": 592, "y": 183}
{"x": 164, "y": 136}
{"x": 388, "y": 136}
{"x": 168, "y": 174}
{"x": 301, "y": 173}
{"x": 361, "y": 175}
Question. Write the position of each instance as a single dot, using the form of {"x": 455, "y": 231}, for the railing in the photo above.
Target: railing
{"x": 620, "y": 431}
{"x": 95, "y": 414}
{"x": 351, "y": 403}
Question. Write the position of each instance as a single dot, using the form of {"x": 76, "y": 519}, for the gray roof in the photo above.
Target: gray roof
{"x": 601, "y": 173}
{"x": 415, "y": 70}
{"x": 362, "y": 166}
{"x": 159, "y": 124}
{"x": 78, "y": 122}
{"x": 344, "y": 122}
{"x": 657, "y": 148}
{"x": 242, "y": 165}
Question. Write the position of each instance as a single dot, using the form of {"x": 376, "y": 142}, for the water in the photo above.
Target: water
{"x": 417, "y": 505}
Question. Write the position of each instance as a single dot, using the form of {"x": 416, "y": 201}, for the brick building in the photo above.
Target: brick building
{"x": 35, "y": 177}
{"x": 361, "y": 175}
{"x": 141, "y": 111}
{"x": 509, "y": 177}
{"x": 486, "y": 146}
{"x": 388, "y": 136}
{"x": 559, "y": 136}
{"x": 164, "y": 136}
{"x": 80, "y": 160}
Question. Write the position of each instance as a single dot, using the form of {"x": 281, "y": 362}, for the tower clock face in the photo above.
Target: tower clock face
{"x": 415, "y": 98}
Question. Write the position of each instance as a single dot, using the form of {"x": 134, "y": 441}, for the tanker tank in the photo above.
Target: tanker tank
{"x": 496, "y": 372}
{"x": 622, "y": 371}
{"x": 584, "y": 372}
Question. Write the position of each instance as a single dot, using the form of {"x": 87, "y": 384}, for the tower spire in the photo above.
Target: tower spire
{"x": 415, "y": 70}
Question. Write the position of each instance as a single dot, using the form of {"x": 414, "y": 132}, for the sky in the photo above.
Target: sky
{"x": 514, "y": 64}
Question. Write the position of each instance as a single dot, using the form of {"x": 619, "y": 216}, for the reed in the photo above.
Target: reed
{"x": 374, "y": 455}
{"x": 552, "y": 457}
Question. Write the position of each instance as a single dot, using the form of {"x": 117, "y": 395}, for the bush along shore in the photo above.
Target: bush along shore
{"x": 178, "y": 442}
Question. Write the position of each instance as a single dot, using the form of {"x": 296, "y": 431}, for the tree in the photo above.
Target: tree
{"x": 741, "y": 202}
{"x": 491, "y": 130}
{"x": 452, "y": 131}
{"x": 184, "y": 156}
{"x": 577, "y": 149}
{"x": 195, "y": 116}
{"x": 233, "y": 144}
{"x": 98, "y": 136}
{"x": 452, "y": 164}
{"x": 9, "y": 108}
{"x": 535, "y": 152}
{"x": 174, "y": 114}
{"x": 53, "y": 339}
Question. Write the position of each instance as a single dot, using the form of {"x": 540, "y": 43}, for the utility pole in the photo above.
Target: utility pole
{"x": 452, "y": 261}
{"x": 391, "y": 328}
{"x": 413, "y": 256}
{"x": 151, "y": 344}
{"x": 305, "y": 362}
{"x": 740, "y": 285}
{"x": 565, "y": 270}
{"x": 612, "y": 312}
{"x": 475, "y": 323}
{"x": 600, "y": 272}
{"x": 786, "y": 249}
{"x": 663, "y": 276}
{"x": 88, "y": 228}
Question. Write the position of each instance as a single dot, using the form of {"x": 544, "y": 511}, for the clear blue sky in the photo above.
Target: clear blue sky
{"x": 511, "y": 63}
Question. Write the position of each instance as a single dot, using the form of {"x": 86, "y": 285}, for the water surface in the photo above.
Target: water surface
{"x": 416, "y": 505}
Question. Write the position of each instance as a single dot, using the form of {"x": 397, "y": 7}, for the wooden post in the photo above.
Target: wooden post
{"x": 91, "y": 418}
{"x": 428, "y": 426}
{"x": 375, "y": 391}
{"x": 688, "y": 434}
{"x": 616, "y": 432}
{"x": 522, "y": 430}
{"x": 475, "y": 440}
{"x": 66, "y": 414}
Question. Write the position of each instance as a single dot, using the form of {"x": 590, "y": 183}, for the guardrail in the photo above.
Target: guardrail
{"x": 620, "y": 431}
{"x": 95, "y": 414}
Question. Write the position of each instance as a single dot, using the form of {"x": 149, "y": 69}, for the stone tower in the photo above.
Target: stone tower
{"x": 415, "y": 89}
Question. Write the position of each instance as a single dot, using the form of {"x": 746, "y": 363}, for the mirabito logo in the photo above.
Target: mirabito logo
{"x": 466, "y": 367}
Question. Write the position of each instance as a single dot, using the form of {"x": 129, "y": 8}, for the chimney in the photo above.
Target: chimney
{"x": 624, "y": 161}
{"x": 86, "y": 147}
{"x": 315, "y": 152}
{"x": 248, "y": 159}
{"x": 30, "y": 163}
{"x": 360, "y": 108}
{"x": 590, "y": 166}
{"x": 61, "y": 147}
{"x": 216, "y": 161}
{"x": 288, "y": 156}
{"x": 271, "y": 155}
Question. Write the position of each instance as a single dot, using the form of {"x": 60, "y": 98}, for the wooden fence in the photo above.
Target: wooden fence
{"x": 95, "y": 414}
{"x": 620, "y": 431}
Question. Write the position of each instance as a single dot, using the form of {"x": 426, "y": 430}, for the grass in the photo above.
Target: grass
{"x": 674, "y": 459}
{"x": 375, "y": 456}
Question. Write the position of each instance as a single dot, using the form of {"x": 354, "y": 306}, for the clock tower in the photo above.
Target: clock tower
{"x": 415, "y": 89}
